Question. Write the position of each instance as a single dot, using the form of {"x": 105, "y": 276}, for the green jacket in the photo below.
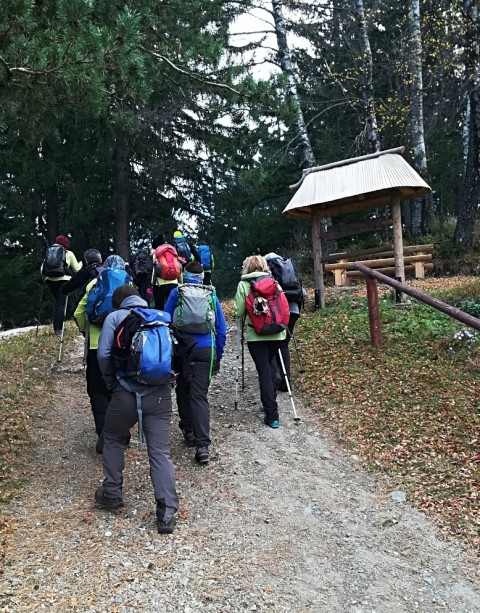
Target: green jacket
{"x": 243, "y": 289}
{"x": 81, "y": 318}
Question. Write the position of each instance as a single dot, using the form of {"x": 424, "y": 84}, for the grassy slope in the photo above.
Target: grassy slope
{"x": 410, "y": 409}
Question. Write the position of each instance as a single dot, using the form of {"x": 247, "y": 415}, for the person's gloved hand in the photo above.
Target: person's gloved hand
{"x": 216, "y": 368}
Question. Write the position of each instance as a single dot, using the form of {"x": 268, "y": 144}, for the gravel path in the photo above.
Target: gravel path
{"x": 278, "y": 521}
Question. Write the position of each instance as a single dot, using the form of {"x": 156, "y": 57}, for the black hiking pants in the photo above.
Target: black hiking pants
{"x": 59, "y": 306}
{"x": 97, "y": 391}
{"x": 285, "y": 349}
{"x": 192, "y": 396}
{"x": 142, "y": 281}
{"x": 161, "y": 293}
{"x": 264, "y": 355}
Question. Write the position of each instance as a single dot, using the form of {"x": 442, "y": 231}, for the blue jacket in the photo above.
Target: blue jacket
{"x": 204, "y": 340}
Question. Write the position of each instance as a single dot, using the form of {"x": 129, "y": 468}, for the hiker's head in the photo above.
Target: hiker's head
{"x": 62, "y": 240}
{"x": 255, "y": 263}
{"x": 158, "y": 240}
{"x": 178, "y": 234}
{"x": 122, "y": 292}
{"x": 92, "y": 256}
{"x": 193, "y": 270}
{"x": 115, "y": 262}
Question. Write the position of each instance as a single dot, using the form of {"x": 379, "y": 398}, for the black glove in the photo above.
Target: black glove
{"x": 216, "y": 368}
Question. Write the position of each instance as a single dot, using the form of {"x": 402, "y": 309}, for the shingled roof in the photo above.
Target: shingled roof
{"x": 357, "y": 183}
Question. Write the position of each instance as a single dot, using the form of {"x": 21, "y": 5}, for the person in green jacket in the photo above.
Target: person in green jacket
{"x": 263, "y": 349}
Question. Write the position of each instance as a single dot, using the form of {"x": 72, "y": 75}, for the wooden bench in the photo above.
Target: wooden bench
{"x": 417, "y": 259}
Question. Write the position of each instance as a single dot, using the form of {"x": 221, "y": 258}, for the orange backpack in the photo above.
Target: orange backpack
{"x": 167, "y": 265}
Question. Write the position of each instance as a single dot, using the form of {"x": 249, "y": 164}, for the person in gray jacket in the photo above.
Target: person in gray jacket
{"x": 122, "y": 415}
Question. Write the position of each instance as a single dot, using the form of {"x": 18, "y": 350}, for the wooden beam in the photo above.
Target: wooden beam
{"x": 379, "y": 262}
{"x": 317, "y": 260}
{"x": 342, "y": 230}
{"x": 398, "y": 238}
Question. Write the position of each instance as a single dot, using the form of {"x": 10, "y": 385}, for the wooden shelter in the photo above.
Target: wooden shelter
{"x": 365, "y": 182}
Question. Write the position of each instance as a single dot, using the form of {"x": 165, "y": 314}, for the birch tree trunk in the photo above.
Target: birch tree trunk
{"x": 418, "y": 221}
{"x": 371, "y": 130}
{"x": 467, "y": 213}
{"x": 122, "y": 213}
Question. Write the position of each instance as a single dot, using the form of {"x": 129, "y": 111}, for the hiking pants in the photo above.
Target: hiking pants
{"x": 142, "y": 281}
{"x": 161, "y": 293}
{"x": 264, "y": 355}
{"x": 59, "y": 306}
{"x": 192, "y": 396}
{"x": 97, "y": 391}
{"x": 285, "y": 348}
{"x": 207, "y": 277}
{"x": 121, "y": 416}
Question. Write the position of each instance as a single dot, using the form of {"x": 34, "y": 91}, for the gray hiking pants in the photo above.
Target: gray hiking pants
{"x": 192, "y": 396}
{"x": 121, "y": 416}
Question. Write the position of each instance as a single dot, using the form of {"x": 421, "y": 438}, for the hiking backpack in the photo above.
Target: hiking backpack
{"x": 205, "y": 257}
{"x": 267, "y": 306}
{"x": 99, "y": 301}
{"x": 283, "y": 271}
{"x": 142, "y": 263}
{"x": 183, "y": 249}
{"x": 196, "y": 308}
{"x": 167, "y": 265}
{"x": 142, "y": 347}
{"x": 55, "y": 261}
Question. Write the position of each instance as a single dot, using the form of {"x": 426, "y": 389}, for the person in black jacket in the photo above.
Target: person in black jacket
{"x": 93, "y": 259}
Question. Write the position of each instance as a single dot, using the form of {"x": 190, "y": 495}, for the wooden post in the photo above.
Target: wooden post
{"x": 398, "y": 241}
{"x": 317, "y": 259}
{"x": 374, "y": 312}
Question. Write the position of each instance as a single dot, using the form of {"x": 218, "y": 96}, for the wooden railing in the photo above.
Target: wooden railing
{"x": 417, "y": 260}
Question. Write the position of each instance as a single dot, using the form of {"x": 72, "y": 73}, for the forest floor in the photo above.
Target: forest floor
{"x": 279, "y": 520}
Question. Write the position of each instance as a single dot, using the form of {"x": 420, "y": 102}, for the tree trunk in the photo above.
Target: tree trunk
{"x": 418, "y": 223}
{"x": 306, "y": 150}
{"x": 467, "y": 213}
{"x": 366, "y": 70}
{"x": 122, "y": 162}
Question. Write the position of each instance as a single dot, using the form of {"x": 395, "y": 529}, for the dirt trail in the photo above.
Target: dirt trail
{"x": 278, "y": 521}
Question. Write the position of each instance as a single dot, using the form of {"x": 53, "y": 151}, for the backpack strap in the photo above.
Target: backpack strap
{"x": 138, "y": 396}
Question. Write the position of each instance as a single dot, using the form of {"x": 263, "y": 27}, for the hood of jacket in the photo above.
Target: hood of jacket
{"x": 255, "y": 275}
{"x": 133, "y": 301}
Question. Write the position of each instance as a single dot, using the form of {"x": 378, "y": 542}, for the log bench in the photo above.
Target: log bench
{"x": 417, "y": 260}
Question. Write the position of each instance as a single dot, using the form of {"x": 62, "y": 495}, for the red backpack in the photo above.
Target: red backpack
{"x": 167, "y": 266}
{"x": 267, "y": 306}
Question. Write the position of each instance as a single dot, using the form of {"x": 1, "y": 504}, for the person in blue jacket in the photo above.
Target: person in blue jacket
{"x": 194, "y": 379}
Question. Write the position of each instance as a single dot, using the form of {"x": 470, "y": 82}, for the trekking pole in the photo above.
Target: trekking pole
{"x": 237, "y": 359}
{"x": 296, "y": 418}
{"x": 297, "y": 350}
{"x": 242, "y": 342}
{"x": 60, "y": 353}
{"x": 40, "y": 308}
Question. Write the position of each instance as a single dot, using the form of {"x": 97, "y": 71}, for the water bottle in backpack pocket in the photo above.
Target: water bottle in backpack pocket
{"x": 55, "y": 262}
{"x": 267, "y": 307}
{"x": 99, "y": 301}
{"x": 196, "y": 308}
{"x": 143, "y": 347}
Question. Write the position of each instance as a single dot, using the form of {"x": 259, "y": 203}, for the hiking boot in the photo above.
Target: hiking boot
{"x": 166, "y": 527}
{"x": 189, "y": 437}
{"x": 106, "y": 502}
{"x": 272, "y": 423}
{"x": 100, "y": 443}
{"x": 201, "y": 455}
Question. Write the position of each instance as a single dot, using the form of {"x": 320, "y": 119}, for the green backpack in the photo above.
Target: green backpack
{"x": 195, "y": 310}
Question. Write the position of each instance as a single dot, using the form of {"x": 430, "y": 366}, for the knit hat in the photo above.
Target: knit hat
{"x": 177, "y": 234}
{"x": 62, "y": 240}
{"x": 115, "y": 262}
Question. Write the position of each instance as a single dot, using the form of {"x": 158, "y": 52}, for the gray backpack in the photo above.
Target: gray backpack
{"x": 195, "y": 311}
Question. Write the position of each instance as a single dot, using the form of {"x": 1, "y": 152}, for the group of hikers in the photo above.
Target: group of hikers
{"x": 135, "y": 351}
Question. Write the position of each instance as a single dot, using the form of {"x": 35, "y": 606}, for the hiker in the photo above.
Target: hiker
{"x": 259, "y": 297}
{"x": 196, "y": 311}
{"x": 186, "y": 251}
{"x": 93, "y": 260}
{"x": 207, "y": 261}
{"x": 142, "y": 266}
{"x": 283, "y": 271}
{"x": 89, "y": 325}
{"x": 167, "y": 270}
{"x": 58, "y": 266}
{"x": 122, "y": 415}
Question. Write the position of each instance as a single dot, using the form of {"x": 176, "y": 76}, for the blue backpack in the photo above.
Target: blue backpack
{"x": 205, "y": 257}
{"x": 183, "y": 248}
{"x": 99, "y": 301}
{"x": 143, "y": 347}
